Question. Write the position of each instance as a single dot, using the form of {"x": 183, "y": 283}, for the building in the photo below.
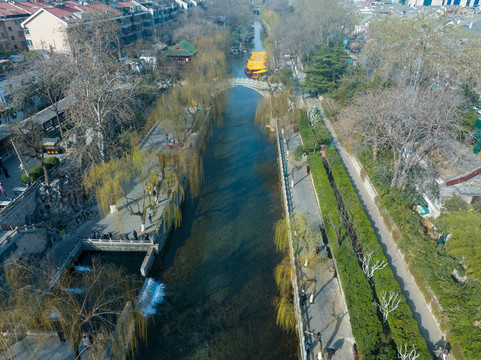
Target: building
{"x": 181, "y": 52}
{"x": 46, "y": 29}
{"x": 11, "y": 33}
{"x": 473, "y": 3}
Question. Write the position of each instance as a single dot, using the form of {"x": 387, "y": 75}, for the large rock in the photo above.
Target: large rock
{"x": 62, "y": 197}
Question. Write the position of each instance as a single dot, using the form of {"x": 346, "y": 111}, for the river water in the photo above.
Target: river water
{"x": 218, "y": 265}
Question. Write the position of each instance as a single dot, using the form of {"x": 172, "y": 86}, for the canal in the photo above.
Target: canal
{"x": 218, "y": 266}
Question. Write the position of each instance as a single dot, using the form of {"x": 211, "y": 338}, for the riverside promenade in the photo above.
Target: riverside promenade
{"x": 328, "y": 312}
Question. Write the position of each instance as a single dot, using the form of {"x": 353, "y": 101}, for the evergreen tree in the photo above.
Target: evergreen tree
{"x": 327, "y": 66}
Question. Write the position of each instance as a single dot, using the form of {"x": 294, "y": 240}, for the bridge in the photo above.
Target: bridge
{"x": 262, "y": 87}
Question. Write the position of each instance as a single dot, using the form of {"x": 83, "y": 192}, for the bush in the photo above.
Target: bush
{"x": 307, "y": 135}
{"x": 403, "y": 327}
{"x": 365, "y": 323}
{"x": 51, "y": 161}
{"x": 432, "y": 270}
{"x": 37, "y": 171}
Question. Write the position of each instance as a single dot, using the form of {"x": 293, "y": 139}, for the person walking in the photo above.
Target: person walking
{"x": 134, "y": 234}
{"x": 4, "y": 169}
{"x": 2, "y": 189}
{"x": 150, "y": 218}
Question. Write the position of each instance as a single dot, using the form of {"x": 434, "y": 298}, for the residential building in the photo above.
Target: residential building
{"x": 11, "y": 33}
{"x": 46, "y": 29}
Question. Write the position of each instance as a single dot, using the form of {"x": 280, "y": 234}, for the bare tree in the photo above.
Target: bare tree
{"x": 405, "y": 354}
{"x": 407, "y": 124}
{"x": 29, "y": 140}
{"x": 368, "y": 267}
{"x": 423, "y": 52}
{"x": 49, "y": 81}
{"x": 388, "y": 302}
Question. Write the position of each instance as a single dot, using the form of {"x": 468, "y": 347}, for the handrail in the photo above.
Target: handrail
{"x": 119, "y": 241}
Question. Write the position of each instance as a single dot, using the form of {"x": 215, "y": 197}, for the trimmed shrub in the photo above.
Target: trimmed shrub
{"x": 51, "y": 161}
{"x": 37, "y": 171}
{"x": 403, "y": 327}
{"x": 308, "y": 136}
{"x": 365, "y": 323}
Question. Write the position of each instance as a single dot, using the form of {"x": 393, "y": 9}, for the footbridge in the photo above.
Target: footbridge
{"x": 262, "y": 87}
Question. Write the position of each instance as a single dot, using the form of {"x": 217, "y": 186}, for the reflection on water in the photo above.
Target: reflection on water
{"x": 218, "y": 266}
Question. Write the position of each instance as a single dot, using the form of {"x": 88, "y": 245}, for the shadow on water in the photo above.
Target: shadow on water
{"x": 218, "y": 266}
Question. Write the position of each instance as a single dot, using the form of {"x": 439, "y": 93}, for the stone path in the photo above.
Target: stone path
{"x": 328, "y": 313}
{"x": 428, "y": 326}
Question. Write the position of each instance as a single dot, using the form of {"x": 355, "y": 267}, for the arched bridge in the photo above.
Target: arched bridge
{"x": 262, "y": 87}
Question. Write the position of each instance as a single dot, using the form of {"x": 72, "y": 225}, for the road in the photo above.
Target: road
{"x": 428, "y": 326}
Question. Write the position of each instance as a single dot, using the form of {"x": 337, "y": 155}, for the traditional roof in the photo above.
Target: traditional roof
{"x": 183, "y": 49}
{"x": 455, "y": 162}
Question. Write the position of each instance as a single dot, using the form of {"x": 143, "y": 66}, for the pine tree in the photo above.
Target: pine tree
{"x": 327, "y": 65}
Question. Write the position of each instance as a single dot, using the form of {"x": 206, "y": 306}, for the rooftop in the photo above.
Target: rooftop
{"x": 183, "y": 48}
{"x": 455, "y": 162}
{"x": 8, "y": 10}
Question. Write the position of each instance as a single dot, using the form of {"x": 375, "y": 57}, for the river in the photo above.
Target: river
{"x": 218, "y": 265}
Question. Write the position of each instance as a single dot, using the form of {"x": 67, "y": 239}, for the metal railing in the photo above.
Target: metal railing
{"x": 119, "y": 241}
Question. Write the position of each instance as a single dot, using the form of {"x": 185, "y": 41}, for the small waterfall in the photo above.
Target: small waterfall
{"x": 82, "y": 268}
{"x": 152, "y": 294}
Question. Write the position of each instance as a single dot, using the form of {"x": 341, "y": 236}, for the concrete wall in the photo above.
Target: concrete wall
{"x": 17, "y": 214}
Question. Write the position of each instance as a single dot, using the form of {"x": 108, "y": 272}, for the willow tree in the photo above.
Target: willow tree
{"x": 130, "y": 179}
{"x": 276, "y": 109}
{"x": 78, "y": 302}
{"x": 98, "y": 301}
{"x": 196, "y": 102}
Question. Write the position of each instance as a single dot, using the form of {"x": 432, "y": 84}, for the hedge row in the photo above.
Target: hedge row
{"x": 431, "y": 265}
{"x": 308, "y": 137}
{"x": 365, "y": 323}
{"x": 403, "y": 327}
{"x": 37, "y": 171}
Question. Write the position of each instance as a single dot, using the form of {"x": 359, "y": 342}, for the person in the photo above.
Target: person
{"x": 91, "y": 337}
{"x": 317, "y": 249}
{"x": 2, "y": 189}
{"x": 126, "y": 236}
{"x": 308, "y": 169}
{"x": 85, "y": 340}
{"x": 146, "y": 236}
{"x": 307, "y": 345}
{"x": 150, "y": 217}
{"x": 134, "y": 234}
{"x": 61, "y": 335}
{"x": 4, "y": 168}
{"x": 303, "y": 297}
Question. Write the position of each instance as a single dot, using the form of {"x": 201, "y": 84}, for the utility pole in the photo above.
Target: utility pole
{"x": 19, "y": 158}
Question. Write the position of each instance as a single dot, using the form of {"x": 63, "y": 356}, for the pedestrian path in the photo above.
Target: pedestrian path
{"x": 428, "y": 326}
{"x": 328, "y": 311}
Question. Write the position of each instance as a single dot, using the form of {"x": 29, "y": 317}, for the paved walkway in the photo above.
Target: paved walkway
{"x": 427, "y": 324}
{"x": 328, "y": 313}
{"x": 120, "y": 223}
